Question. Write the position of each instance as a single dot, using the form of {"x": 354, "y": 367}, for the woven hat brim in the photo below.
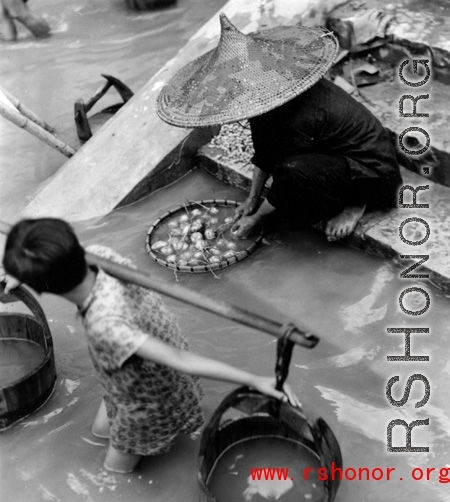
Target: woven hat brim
{"x": 247, "y": 76}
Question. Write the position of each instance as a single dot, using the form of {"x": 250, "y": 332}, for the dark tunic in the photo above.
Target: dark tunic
{"x": 325, "y": 149}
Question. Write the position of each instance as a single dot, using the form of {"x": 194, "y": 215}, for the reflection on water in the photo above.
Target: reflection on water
{"x": 365, "y": 311}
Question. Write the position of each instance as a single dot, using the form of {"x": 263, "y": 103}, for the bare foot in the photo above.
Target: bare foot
{"x": 120, "y": 461}
{"x": 344, "y": 223}
{"x": 36, "y": 24}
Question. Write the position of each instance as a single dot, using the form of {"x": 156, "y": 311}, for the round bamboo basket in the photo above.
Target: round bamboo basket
{"x": 246, "y": 250}
{"x": 26, "y": 394}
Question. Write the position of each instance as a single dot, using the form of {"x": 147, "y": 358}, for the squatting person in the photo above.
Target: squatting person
{"x": 329, "y": 157}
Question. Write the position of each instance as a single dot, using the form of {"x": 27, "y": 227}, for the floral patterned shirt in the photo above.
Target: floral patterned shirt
{"x": 148, "y": 403}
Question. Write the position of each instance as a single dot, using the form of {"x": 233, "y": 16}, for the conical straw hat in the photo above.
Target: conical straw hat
{"x": 246, "y": 75}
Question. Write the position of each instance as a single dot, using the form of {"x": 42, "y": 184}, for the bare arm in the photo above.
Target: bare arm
{"x": 11, "y": 283}
{"x": 258, "y": 180}
{"x": 264, "y": 210}
{"x": 250, "y": 205}
{"x": 194, "y": 364}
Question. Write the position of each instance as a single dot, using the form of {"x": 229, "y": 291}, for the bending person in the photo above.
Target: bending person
{"x": 329, "y": 156}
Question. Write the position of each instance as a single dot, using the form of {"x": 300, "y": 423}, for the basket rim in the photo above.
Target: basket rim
{"x": 227, "y": 262}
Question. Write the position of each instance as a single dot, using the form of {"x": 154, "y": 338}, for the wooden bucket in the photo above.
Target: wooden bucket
{"x": 26, "y": 394}
{"x": 246, "y": 415}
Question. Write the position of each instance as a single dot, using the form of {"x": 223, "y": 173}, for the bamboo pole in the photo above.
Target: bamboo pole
{"x": 195, "y": 299}
{"x": 23, "y": 122}
{"x": 24, "y": 110}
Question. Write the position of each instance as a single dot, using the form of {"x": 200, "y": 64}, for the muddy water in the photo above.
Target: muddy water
{"x": 344, "y": 296}
{"x": 89, "y": 37}
{"x": 347, "y": 298}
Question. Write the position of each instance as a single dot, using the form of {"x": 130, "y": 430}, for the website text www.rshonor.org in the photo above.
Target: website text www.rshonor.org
{"x": 441, "y": 475}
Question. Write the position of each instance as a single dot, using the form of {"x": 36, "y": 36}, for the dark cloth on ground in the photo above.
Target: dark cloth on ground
{"x": 325, "y": 151}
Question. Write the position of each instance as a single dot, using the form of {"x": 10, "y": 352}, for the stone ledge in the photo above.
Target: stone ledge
{"x": 378, "y": 232}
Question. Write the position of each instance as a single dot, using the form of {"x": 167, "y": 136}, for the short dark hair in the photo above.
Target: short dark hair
{"x": 45, "y": 254}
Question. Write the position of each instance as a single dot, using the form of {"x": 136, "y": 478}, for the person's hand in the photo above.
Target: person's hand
{"x": 244, "y": 227}
{"x": 266, "y": 385}
{"x": 248, "y": 207}
{"x": 11, "y": 283}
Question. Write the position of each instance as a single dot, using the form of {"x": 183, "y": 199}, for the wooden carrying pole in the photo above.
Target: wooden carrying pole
{"x": 203, "y": 302}
{"x": 22, "y": 121}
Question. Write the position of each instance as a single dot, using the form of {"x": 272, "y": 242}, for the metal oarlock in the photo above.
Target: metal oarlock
{"x": 81, "y": 108}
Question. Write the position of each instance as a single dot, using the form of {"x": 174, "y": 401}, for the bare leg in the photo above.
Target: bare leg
{"x": 120, "y": 461}
{"x": 344, "y": 223}
{"x": 19, "y": 11}
{"x": 116, "y": 460}
{"x": 100, "y": 427}
{"x": 8, "y": 28}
